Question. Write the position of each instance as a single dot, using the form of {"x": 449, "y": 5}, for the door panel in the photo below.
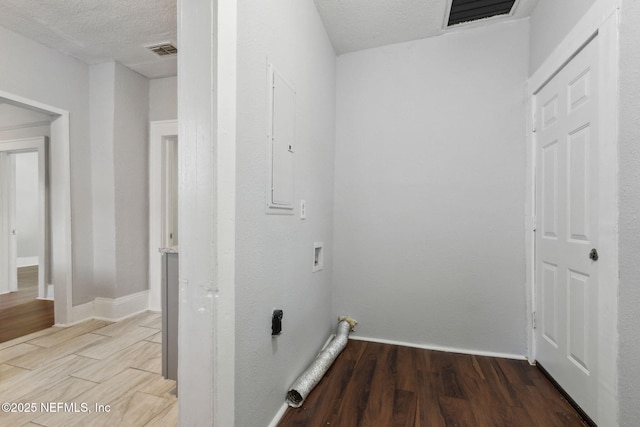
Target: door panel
{"x": 550, "y": 303}
{"x": 566, "y": 205}
{"x": 549, "y": 197}
{"x": 578, "y": 175}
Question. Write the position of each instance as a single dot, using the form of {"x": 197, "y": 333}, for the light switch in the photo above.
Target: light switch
{"x": 303, "y": 209}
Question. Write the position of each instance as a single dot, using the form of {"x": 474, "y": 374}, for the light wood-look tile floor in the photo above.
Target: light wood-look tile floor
{"x": 89, "y": 367}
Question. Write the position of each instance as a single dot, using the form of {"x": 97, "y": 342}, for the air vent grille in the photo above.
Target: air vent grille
{"x": 472, "y": 10}
{"x": 163, "y": 49}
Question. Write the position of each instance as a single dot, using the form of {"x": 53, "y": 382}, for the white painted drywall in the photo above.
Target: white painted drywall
{"x": 629, "y": 206}
{"x": 27, "y": 205}
{"x": 163, "y": 99}
{"x": 25, "y": 132}
{"x": 102, "y": 134}
{"x": 131, "y": 172}
{"x": 430, "y": 190}
{"x": 551, "y": 21}
{"x": 274, "y": 253}
{"x": 42, "y": 74}
{"x": 19, "y": 123}
{"x": 119, "y": 128}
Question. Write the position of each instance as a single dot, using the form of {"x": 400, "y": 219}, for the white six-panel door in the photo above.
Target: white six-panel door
{"x": 567, "y": 228}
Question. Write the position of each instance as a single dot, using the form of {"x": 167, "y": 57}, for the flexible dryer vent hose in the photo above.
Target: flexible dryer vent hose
{"x": 314, "y": 373}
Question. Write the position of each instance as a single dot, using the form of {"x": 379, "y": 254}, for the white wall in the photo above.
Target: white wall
{"x": 42, "y": 74}
{"x": 551, "y": 21}
{"x": 27, "y": 205}
{"x": 429, "y": 190}
{"x": 629, "y": 227}
{"x": 274, "y": 252}
{"x": 102, "y": 134}
{"x": 131, "y": 172}
{"x": 163, "y": 99}
{"x": 119, "y": 130}
{"x": 18, "y": 123}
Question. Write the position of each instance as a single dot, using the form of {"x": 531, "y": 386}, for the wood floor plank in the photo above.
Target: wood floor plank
{"x": 25, "y": 318}
{"x": 26, "y": 338}
{"x": 38, "y": 358}
{"x": 428, "y": 391}
{"x": 65, "y": 334}
{"x": 405, "y": 405}
{"x": 19, "y": 297}
{"x": 16, "y": 351}
{"x": 356, "y": 397}
{"x": 456, "y": 412}
{"x": 382, "y": 389}
{"x": 319, "y": 405}
{"x": 111, "y": 345}
{"x": 138, "y": 393}
{"x": 19, "y": 385}
{"x": 154, "y": 323}
{"x": 500, "y": 416}
{"x": 139, "y": 355}
{"x": 167, "y": 418}
{"x": 8, "y": 371}
{"x": 373, "y": 384}
{"x": 122, "y": 326}
{"x": 161, "y": 387}
{"x": 133, "y": 410}
{"x": 124, "y": 384}
{"x": 157, "y": 338}
{"x": 65, "y": 390}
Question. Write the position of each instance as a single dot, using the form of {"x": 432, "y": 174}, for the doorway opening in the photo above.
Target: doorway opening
{"x": 34, "y": 132}
{"x": 163, "y": 200}
{"x": 24, "y": 234}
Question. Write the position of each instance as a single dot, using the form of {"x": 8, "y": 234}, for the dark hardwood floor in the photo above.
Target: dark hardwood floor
{"x": 372, "y": 384}
{"x": 20, "y": 312}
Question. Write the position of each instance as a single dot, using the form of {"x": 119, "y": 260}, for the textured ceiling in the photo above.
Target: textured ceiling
{"x": 96, "y": 31}
{"x": 361, "y": 24}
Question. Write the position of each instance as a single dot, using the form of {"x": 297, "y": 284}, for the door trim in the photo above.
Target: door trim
{"x": 37, "y": 145}
{"x": 59, "y": 205}
{"x": 601, "y": 23}
{"x": 157, "y": 130}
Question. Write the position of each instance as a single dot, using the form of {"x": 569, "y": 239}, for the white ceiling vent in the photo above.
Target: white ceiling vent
{"x": 163, "y": 49}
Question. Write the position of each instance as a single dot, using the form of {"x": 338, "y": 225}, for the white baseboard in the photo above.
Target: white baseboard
{"x": 111, "y": 309}
{"x": 274, "y": 422}
{"x": 117, "y": 309}
{"x": 440, "y": 348}
{"x": 26, "y": 261}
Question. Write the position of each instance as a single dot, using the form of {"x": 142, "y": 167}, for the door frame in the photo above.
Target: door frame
{"x": 37, "y": 145}
{"x": 599, "y": 25}
{"x": 8, "y": 250}
{"x": 61, "y": 259}
{"x": 157, "y": 131}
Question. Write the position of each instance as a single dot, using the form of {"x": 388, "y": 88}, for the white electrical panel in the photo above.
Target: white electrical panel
{"x": 280, "y": 144}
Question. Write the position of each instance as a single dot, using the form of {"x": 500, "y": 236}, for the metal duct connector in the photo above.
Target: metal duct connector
{"x": 314, "y": 373}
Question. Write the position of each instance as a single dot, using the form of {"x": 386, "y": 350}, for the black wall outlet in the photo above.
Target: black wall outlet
{"x": 276, "y": 322}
